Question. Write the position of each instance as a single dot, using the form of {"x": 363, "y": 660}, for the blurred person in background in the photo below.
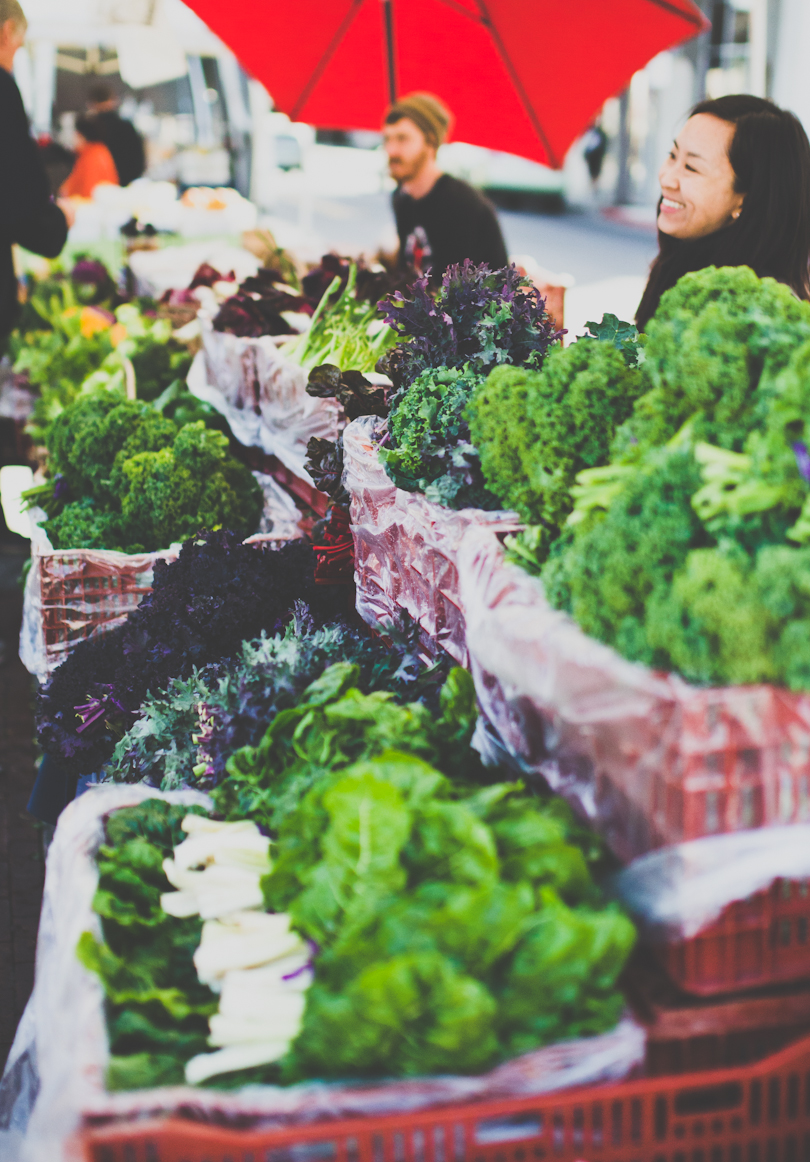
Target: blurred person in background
{"x": 440, "y": 220}
{"x": 119, "y": 135}
{"x": 28, "y": 214}
{"x": 596, "y": 144}
{"x": 94, "y": 162}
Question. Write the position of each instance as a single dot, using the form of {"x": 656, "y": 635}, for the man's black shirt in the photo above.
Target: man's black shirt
{"x": 124, "y": 143}
{"x": 27, "y": 213}
{"x": 447, "y": 225}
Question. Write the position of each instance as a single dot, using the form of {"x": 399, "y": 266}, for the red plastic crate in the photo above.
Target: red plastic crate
{"x": 759, "y": 1113}
{"x": 759, "y": 941}
{"x": 689, "y": 1034}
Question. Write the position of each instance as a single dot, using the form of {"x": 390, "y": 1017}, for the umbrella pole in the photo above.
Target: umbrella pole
{"x": 390, "y": 50}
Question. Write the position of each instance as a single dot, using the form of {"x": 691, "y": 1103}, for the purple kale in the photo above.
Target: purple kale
{"x": 802, "y": 460}
{"x": 478, "y": 317}
{"x": 256, "y": 308}
{"x": 217, "y": 594}
{"x": 351, "y": 389}
{"x": 207, "y": 275}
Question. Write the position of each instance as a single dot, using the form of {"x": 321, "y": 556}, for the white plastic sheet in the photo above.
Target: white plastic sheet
{"x": 57, "y": 1062}
{"x": 678, "y": 891}
{"x": 54, "y": 1075}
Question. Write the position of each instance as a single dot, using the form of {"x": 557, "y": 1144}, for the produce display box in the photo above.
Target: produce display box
{"x": 687, "y": 1034}
{"x": 658, "y": 760}
{"x": 652, "y": 760}
{"x": 757, "y": 1112}
{"x": 405, "y": 547}
{"x": 762, "y": 940}
{"x": 72, "y": 594}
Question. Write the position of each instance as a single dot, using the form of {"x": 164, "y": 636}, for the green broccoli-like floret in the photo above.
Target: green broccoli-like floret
{"x": 428, "y": 418}
{"x": 615, "y": 561}
{"x": 535, "y": 430}
{"x": 92, "y": 437}
{"x": 712, "y": 626}
{"x": 173, "y": 493}
{"x": 713, "y": 349}
{"x": 82, "y": 524}
{"x": 430, "y": 449}
{"x": 733, "y": 619}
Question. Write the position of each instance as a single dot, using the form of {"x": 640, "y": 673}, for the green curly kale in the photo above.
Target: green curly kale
{"x": 157, "y": 1010}
{"x": 430, "y": 449}
{"x": 535, "y": 430}
{"x": 713, "y": 349}
{"x": 173, "y": 493}
{"x": 615, "y": 561}
{"x": 137, "y": 484}
{"x": 89, "y": 441}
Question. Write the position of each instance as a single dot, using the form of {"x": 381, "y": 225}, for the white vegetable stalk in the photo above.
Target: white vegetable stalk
{"x": 260, "y": 967}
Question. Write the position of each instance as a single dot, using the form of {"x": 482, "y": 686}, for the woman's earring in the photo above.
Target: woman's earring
{"x": 736, "y": 213}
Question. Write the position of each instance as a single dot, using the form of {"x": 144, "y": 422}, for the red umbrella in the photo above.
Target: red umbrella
{"x": 525, "y": 76}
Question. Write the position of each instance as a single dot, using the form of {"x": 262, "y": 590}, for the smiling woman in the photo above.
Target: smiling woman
{"x": 735, "y": 191}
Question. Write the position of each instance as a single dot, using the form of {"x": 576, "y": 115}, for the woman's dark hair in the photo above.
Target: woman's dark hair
{"x": 770, "y": 156}
{"x": 90, "y": 128}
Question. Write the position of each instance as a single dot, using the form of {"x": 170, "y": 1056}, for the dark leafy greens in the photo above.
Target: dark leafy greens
{"x": 157, "y": 1010}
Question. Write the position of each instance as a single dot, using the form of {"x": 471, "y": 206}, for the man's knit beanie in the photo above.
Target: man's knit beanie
{"x": 427, "y": 112}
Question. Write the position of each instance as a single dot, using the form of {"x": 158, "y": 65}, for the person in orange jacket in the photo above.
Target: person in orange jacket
{"x": 94, "y": 164}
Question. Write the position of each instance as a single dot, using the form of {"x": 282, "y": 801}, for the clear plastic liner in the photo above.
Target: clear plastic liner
{"x": 678, "y": 891}
{"x": 587, "y": 1061}
{"x": 55, "y": 1071}
{"x": 651, "y": 759}
{"x": 406, "y": 547}
{"x": 262, "y": 395}
{"x": 281, "y": 515}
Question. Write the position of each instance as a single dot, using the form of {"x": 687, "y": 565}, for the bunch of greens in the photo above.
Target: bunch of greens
{"x": 691, "y": 556}
{"x": 218, "y": 594}
{"x": 334, "y": 724}
{"x": 479, "y": 318}
{"x": 345, "y": 331}
{"x": 712, "y": 352}
{"x": 88, "y": 347}
{"x": 357, "y": 397}
{"x": 157, "y": 1010}
{"x": 187, "y": 733}
{"x": 124, "y": 477}
{"x": 535, "y": 430}
{"x": 429, "y": 448}
{"x": 260, "y": 305}
{"x": 156, "y": 358}
{"x": 455, "y": 929}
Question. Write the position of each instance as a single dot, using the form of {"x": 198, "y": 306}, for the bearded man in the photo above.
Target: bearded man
{"x": 440, "y": 220}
